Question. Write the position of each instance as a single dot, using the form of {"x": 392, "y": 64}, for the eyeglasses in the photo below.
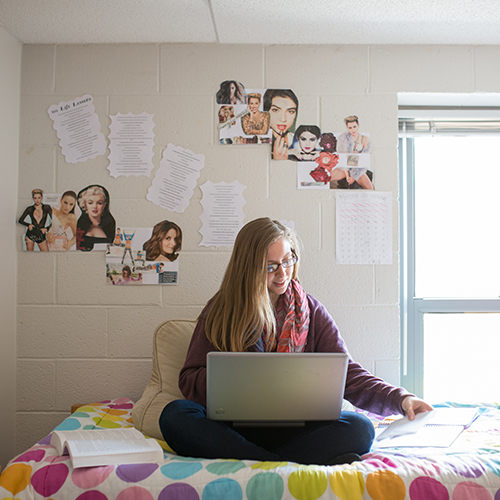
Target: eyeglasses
{"x": 272, "y": 268}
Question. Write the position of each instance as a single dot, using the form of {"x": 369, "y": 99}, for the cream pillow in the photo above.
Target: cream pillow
{"x": 170, "y": 345}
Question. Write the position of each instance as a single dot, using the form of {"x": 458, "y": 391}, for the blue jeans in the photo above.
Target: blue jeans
{"x": 188, "y": 431}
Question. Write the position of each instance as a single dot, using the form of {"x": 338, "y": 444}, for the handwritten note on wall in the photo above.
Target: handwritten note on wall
{"x": 131, "y": 142}
{"x": 222, "y": 215}
{"x": 78, "y": 128}
{"x": 175, "y": 180}
{"x": 364, "y": 227}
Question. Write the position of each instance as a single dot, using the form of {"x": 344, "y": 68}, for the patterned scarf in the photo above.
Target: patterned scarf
{"x": 292, "y": 321}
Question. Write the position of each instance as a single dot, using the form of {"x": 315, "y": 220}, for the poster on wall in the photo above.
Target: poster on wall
{"x": 131, "y": 141}
{"x": 174, "y": 182}
{"x": 145, "y": 256}
{"x": 343, "y": 160}
{"x": 241, "y": 117}
{"x": 222, "y": 215}
{"x": 78, "y": 129}
{"x": 363, "y": 227}
{"x": 96, "y": 225}
{"x": 72, "y": 220}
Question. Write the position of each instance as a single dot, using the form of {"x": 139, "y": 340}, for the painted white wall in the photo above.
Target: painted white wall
{"x": 10, "y": 77}
{"x": 82, "y": 341}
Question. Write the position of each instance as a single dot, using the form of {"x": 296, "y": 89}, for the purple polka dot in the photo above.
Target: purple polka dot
{"x": 92, "y": 495}
{"x": 497, "y": 495}
{"x": 133, "y": 473}
{"x": 48, "y": 480}
{"x": 45, "y": 440}
{"x": 428, "y": 488}
{"x": 31, "y": 455}
{"x": 178, "y": 491}
{"x": 469, "y": 470}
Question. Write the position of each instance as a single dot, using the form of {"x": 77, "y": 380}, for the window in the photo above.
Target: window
{"x": 450, "y": 253}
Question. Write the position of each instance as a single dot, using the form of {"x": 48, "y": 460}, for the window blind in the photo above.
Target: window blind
{"x": 415, "y": 121}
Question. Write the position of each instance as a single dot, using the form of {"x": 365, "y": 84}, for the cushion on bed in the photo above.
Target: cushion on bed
{"x": 170, "y": 345}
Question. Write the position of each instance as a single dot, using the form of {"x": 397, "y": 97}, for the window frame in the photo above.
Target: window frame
{"x": 413, "y": 309}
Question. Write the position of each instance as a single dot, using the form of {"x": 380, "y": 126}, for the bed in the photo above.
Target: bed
{"x": 468, "y": 469}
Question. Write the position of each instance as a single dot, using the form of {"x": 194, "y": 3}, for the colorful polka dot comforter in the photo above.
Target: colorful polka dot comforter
{"x": 469, "y": 469}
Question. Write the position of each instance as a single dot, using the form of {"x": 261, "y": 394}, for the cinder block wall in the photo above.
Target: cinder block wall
{"x": 79, "y": 340}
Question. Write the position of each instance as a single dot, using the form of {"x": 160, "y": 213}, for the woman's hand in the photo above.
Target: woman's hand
{"x": 413, "y": 405}
{"x": 280, "y": 148}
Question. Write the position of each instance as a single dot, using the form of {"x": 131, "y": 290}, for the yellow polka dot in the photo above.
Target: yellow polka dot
{"x": 106, "y": 423}
{"x": 268, "y": 465}
{"x": 384, "y": 484}
{"x": 15, "y": 478}
{"x": 307, "y": 484}
{"x": 348, "y": 484}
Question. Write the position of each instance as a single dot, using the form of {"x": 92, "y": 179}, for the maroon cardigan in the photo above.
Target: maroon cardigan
{"x": 362, "y": 388}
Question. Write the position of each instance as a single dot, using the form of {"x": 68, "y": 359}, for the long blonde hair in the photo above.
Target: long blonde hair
{"x": 241, "y": 309}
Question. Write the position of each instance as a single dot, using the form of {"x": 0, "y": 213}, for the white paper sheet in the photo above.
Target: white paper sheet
{"x": 131, "y": 144}
{"x": 175, "y": 180}
{"x": 222, "y": 215}
{"x": 78, "y": 128}
{"x": 364, "y": 227}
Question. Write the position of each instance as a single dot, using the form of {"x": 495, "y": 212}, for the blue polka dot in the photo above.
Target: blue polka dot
{"x": 70, "y": 424}
{"x": 494, "y": 465}
{"x": 179, "y": 471}
{"x": 222, "y": 489}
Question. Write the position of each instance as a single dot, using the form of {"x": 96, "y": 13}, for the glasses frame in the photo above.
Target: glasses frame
{"x": 272, "y": 268}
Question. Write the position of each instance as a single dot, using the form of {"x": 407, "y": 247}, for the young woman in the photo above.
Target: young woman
{"x": 261, "y": 306}
{"x": 351, "y": 141}
{"x": 62, "y": 234}
{"x": 96, "y": 224}
{"x": 305, "y": 142}
{"x": 126, "y": 278}
{"x": 283, "y": 106}
{"x": 165, "y": 242}
{"x": 256, "y": 122}
{"x": 231, "y": 92}
{"x": 37, "y": 219}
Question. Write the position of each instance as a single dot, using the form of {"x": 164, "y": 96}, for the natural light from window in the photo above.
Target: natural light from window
{"x": 457, "y": 207}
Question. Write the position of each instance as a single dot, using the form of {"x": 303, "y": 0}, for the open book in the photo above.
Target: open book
{"x": 438, "y": 428}
{"x": 89, "y": 448}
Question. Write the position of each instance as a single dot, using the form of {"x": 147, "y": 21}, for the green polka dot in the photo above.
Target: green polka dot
{"x": 226, "y": 467}
{"x": 268, "y": 465}
{"x": 107, "y": 424}
{"x": 307, "y": 483}
{"x": 80, "y": 414}
{"x": 266, "y": 485}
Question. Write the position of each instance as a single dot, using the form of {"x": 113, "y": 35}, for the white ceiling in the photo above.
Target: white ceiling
{"x": 475, "y": 22}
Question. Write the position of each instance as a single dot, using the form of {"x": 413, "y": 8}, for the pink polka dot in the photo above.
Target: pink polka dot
{"x": 428, "y": 488}
{"x": 48, "y": 480}
{"x": 31, "y": 455}
{"x": 468, "y": 490}
{"x": 92, "y": 495}
{"x": 90, "y": 477}
{"x": 134, "y": 493}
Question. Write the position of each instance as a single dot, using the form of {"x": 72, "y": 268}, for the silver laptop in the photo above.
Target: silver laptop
{"x": 255, "y": 388}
